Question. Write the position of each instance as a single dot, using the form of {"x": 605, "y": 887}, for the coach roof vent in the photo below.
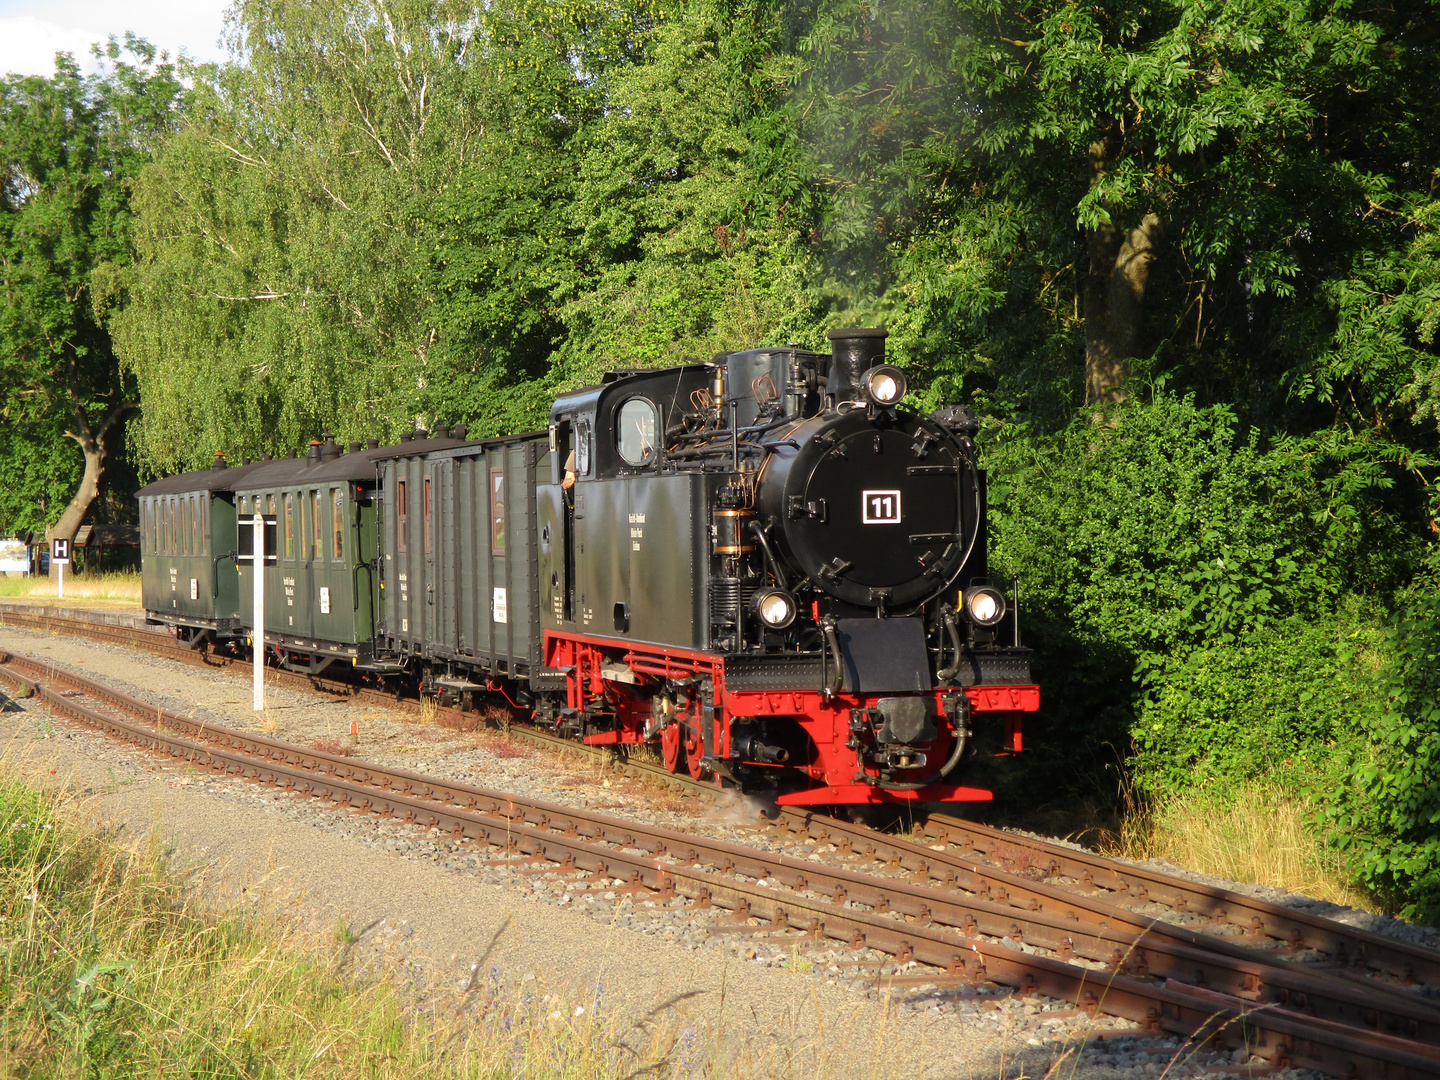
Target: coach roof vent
{"x": 329, "y": 449}
{"x": 356, "y": 447}
{"x": 458, "y": 432}
{"x": 372, "y": 444}
{"x": 440, "y": 432}
{"x": 219, "y": 462}
{"x": 313, "y": 454}
{"x": 406, "y": 436}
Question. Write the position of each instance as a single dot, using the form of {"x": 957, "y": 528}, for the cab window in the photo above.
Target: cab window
{"x": 637, "y": 428}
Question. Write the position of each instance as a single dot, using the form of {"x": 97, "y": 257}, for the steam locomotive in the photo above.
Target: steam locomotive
{"x": 766, "y": 567}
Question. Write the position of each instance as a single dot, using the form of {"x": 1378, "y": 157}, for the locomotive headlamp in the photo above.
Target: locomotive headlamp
{"x": 775, "y": 608}
{"x": 885, "y": 385}
{"x": 984, "y": 606}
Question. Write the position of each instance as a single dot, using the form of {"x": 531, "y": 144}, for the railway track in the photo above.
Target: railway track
{"x": 929, "y": 905}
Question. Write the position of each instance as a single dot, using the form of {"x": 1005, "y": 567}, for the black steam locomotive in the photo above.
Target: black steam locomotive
{"x": 766, "y": 566}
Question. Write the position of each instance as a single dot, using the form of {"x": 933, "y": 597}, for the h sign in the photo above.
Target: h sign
{"x": 60, "y": 551}
{"x": 880, "y": 507}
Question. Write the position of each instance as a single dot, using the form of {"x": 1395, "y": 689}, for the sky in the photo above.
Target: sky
{"x": 31, "y": 31}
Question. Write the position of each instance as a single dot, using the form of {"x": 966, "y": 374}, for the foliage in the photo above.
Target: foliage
{"x": 276, "y": 290}
{"x": 1283, "y": 144}
{"x": 1385, "y": 816}
{"x": 659, "y": 226}
{"x": 39, "y": 471}
{"x": 69, "y": 147}
{"x": 1187, "y": 591}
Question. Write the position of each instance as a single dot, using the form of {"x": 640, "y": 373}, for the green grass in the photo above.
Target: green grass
{"x": 119, "y": 587}
{"x": 109, "y": 967}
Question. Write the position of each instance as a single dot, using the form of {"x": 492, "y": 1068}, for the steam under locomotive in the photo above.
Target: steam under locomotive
{"x": 766, "y": 566}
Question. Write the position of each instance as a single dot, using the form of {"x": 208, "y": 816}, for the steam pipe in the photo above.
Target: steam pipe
{"x": 775, "y": 568}
{"x": 947, "y": 619}
{"x": 832, "y": 641}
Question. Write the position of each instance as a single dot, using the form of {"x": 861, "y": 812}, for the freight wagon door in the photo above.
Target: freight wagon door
{"x": 426, "y": 608}
{"x": 444, "y": 569}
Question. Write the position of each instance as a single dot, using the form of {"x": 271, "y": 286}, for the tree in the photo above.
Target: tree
{"x": 70, "y": 145}
{"x": 1199, "y": 180}
{"x": 277, "y": 291}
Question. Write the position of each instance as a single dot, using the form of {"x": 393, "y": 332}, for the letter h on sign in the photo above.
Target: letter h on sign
{"x": 60, "y": 551}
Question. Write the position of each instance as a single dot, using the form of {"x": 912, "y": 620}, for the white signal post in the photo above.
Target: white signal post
{"x": 257, "y": 648}
{"x": 60, "y": 556}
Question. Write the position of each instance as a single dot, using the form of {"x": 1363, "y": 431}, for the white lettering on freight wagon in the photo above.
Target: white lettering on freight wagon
{"x": 501, "y": 606}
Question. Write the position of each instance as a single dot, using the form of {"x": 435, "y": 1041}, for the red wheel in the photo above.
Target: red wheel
{"x": 670, "y": 746}
{"x": 694, "y": 751}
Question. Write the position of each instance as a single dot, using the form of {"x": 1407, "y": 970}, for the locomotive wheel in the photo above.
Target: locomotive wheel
{"x": 694, "y": 751}
{"x": 670, "y": 747}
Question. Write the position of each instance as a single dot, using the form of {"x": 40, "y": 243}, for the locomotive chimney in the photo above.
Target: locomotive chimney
{"x": 853, "y": 352}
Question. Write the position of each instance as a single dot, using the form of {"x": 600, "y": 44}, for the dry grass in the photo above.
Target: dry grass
{"x": 1254, "y": 834}
{"x": 117, "y": 588}
{"x": 338, "y": 747}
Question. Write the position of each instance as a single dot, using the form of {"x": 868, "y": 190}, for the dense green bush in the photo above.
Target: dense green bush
{"x": 1386, "y": 813}
{"x": 1194, "y": 597}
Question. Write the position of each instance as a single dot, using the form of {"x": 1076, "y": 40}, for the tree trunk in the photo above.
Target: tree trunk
{"x": 92, "y": 445}
{"x": 1113, "y": 295}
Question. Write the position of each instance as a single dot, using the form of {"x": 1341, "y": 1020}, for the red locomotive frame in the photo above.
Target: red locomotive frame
{"x": 597, "y": 666}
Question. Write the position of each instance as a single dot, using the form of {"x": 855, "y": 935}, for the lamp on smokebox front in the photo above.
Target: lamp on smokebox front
{"x": 775, "y": 608}
{"x": 884, "y": 385}
{"x": 984, "y": 606}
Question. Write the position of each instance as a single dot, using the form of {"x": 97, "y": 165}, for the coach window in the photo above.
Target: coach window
{"x": 401, "y": 517}
{"x": 497, "y": 511}
{"x": 337, "y": 523}
{"x": 316, "y": 531}
{"x": 289, "y": 525}
{"x": 425, "y": 516}
{"x": 636, "y": 432}
{"x": 204, "y": 505}
{"x": 187, "y": 526}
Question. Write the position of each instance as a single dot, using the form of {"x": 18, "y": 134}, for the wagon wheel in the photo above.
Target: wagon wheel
{"x": 670, "y": 747}
{"x": 694, "y": 751}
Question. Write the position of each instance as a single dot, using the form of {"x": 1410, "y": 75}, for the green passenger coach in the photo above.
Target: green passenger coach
{"x": 322, "y": 589}
{"x": 188, "y": 544}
